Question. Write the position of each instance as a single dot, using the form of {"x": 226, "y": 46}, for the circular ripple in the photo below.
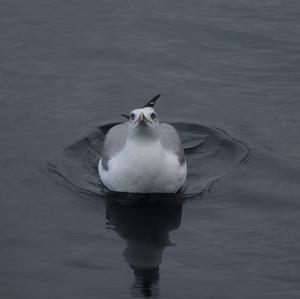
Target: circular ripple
{"x": 211, "y": 154}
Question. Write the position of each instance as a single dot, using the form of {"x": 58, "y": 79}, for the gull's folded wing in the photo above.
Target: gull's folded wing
{"x": 170, "y": 141}
{"x": 114, "y": 142}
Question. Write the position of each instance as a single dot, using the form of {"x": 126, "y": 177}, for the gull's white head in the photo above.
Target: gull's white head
{"x": 144, "y": 122}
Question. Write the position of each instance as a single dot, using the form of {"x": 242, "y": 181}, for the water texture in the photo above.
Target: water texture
{"x": 229, "y": 74}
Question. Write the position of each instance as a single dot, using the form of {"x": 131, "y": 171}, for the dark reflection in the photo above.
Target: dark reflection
{"x": 145, "y": 227}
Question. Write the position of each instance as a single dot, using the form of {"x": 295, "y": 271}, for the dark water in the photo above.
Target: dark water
{"x": 229, "y": 74}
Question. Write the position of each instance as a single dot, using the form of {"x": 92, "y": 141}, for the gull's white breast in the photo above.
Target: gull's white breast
{"x": 144, "y": 168}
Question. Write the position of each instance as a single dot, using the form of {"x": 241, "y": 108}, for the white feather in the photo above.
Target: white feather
{"x": 142, "y": 168}
{"x": 143, "y": 158}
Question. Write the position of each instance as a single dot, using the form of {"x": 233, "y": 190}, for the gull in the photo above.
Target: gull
{"x": 143, "y": 155}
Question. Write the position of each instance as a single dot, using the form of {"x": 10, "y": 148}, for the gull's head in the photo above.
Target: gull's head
{"x": 144, "y": 123}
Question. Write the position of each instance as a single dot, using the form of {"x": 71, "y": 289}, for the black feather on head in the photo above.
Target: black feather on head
{"x": 151, "y": 103}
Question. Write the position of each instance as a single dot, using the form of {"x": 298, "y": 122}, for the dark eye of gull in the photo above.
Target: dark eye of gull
{"x": 132, "y": 116}
{"x": 153, "y": 115}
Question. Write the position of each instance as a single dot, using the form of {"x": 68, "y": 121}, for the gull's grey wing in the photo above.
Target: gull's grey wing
{"x": 171, "y": 141}
{"x": 114, "y": 142}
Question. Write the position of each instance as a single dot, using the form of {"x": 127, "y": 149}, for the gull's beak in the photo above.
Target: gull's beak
{"x": 142, "y": 117}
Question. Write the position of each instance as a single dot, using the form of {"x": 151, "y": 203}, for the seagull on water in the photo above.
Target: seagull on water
{"x": 143, "y": 155}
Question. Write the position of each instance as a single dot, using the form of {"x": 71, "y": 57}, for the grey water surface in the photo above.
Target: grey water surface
{"x": 229, "y": 75}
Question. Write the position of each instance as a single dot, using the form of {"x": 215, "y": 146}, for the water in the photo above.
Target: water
{"x": 229, "y": 74}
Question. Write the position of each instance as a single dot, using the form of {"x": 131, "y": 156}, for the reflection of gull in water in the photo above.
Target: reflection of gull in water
{"x": 143, "y": 155}
{"x": 146, "y": 230}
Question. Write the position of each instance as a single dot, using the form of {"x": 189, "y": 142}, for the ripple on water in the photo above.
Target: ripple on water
{"x": 211, "y": 154}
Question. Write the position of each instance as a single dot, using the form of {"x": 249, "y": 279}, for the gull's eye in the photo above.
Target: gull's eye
{"x": 132, "y": 116}
{"x": 153, "y": 115}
